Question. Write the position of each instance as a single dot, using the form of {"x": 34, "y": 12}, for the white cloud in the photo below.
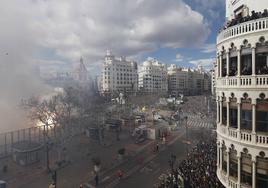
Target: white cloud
{"x": 208, "y": 48}
{"x": 206, "y": 63}
{"x": 75, "y": 28}
{"x": 179, "y": 57}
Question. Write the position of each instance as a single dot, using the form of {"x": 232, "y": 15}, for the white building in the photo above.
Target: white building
{"x": 118, "y": 75}
{"x": 243, "y": 7}
{"x": 188, "y": 81}
{"x": 242, "y": 96}
{"x": 153, "y": 77}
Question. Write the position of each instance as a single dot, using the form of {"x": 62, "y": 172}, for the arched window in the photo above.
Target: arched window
{"x": 262, "y": 172}
{"x": 246, "y": 169}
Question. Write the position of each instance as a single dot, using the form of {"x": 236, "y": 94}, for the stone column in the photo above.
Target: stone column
{"x": 239, "y": 118}
{"x": 220, "y": 158}
{"x": 238, "y": 169}
{"x": 227, "y": 63}
{"x": 218, "y": 119}
{"x": 228, "y": 162}
{"x": 253, "y": 171}
{"x": 220, "y": 111}
{"x": 254, "y": 120}
{"x": 218, "y": 153}
{"x": 228, "y": 113}
{"x": 220, "y": 65}
{"x": 253, "y": 116}
{"x": 238, "y": 62}
{"x": 253, "y": 61}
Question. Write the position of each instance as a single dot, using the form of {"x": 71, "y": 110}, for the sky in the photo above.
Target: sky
{"x": 54, "y": 34}
{"x": 181, "y": 32}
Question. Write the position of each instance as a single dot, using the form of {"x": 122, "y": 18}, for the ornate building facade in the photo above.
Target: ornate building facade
{"x": 118, "y": 75}
{"x": 153, "y": 77}
{"x": 242, "y": 95}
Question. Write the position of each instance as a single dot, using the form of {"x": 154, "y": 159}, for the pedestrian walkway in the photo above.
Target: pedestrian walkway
{"x": 130, "y": 166}
{"x": 197, "y": 120}
{"x": 200, "y": 124}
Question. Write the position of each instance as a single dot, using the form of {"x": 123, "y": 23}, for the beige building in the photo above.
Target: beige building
{"x": 188, "y": 81}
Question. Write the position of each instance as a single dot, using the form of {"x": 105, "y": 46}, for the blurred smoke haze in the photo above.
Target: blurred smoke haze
{"x": 18, "y": 78}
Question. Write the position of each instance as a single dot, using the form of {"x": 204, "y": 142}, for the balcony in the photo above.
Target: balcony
{"x": 243, "y": 29}
{"x": 259, "y": 81}
{"x": 247, "y": 137}
{"x": 229, "y": 182}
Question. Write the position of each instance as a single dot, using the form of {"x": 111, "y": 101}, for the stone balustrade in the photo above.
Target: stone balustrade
{"x": 260, "y": 81}
{"x": 242, "y": 29}
{"x": 261, "y": 139}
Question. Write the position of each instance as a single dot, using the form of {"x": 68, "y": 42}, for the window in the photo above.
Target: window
{"x": 246, "y": 64}
{"x": 246, "y": 119}
{"x": 261, "y": 63}
{"x": 233, "y": 66}
{"x": 233, "y": 117}
{"x": 233, "y": 164}
{"x": 224, "y": 68}
{"x": 224, "y": 115}
{"x": 262, "y": 172}
{"x": 246, "y": 169}
{"x": 261, "y": 121}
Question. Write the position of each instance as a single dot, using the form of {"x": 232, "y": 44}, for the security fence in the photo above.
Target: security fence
{"x": 38, "y": 134}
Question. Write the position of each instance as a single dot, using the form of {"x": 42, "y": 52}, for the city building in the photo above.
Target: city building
{"x": 178, "y": 81}
{"x": 213, "y": 74}
{"x": 188, "y": 81}
{"x": 153, "y": 77}
{"x": 80, "y": 72}
{"x": 118, "y": 75}
{"x": 242, "y": 95}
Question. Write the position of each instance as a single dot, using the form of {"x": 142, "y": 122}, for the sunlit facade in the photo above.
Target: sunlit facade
{"x": 242, "y": 96}
{"x": 153, "y": 77}
{"x": 118, "y": 75}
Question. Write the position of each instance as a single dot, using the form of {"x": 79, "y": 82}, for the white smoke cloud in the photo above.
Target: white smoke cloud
{"x": 17, "y": 70}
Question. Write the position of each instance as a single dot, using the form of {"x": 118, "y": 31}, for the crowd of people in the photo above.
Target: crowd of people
{"x": 198, "y": 170}
{"x": 202, "y": 106}
{"x": 239, "y": 19}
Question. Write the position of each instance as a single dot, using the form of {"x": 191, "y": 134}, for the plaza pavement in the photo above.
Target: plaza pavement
{"x": 131, "y": 166}
{"x": 80, "y": 169}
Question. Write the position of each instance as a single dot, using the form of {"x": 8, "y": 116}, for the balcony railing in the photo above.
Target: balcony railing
{"x": 243, "y": 28}
{"x": 231, "y": 182}
{"x": 260, "y": 139}
{"x": 259, "y": 81}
